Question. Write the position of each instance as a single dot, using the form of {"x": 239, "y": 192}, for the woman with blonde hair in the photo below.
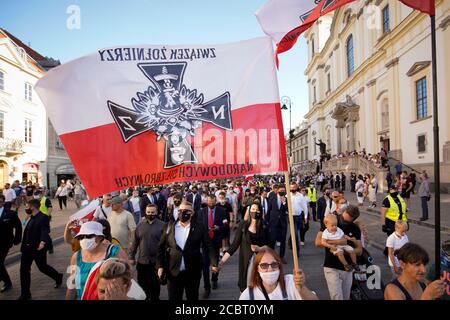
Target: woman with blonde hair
{"x": 113, "y": 280}
{"x": 268, "y": 281}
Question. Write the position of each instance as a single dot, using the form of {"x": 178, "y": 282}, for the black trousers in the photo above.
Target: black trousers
{"x": 40, "y": 257}
{"x": 207, "y": 267}
{"x": 148, "y": 280}
{"x": 62, "y": 200}
{"x": 278, "y": 231}
{"x": 313, "y": 207}
{"x": 185, "y": 281}
{"x": 3, "y": 272}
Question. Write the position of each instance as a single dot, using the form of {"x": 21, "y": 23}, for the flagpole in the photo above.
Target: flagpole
{"x": 437, "y": 178}
{"x": 291, "y": 222}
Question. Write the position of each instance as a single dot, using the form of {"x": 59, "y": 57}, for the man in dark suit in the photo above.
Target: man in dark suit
{"x": 35, "y": 244}
{"x": 216, "y": 223}
{"x": 264, "y": 202}
{"x": 179, "y": 254}
{"x": 153, "y": 196}
{"x": 277, "y": 220}
{"x": 10, "y": 234}
{"x": 322, "y": 204}
{"x": 195, "y": 198}
{"x": 172, "y": 210}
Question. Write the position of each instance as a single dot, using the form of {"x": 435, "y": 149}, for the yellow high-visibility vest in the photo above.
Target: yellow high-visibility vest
{"x": 393, "y": 212}
{"x": 43, "y": 208}
{"x": 312, "y": 194}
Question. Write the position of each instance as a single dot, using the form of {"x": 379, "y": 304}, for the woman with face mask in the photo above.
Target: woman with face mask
{"x": 93, "y": 249}
{"x": 268, "y": 281}
{"x": 251, "y": 234}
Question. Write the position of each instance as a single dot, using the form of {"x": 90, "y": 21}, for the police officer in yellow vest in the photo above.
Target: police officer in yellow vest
{"x": 392, "y": 209}
{"x": 45, "y": 207}
{"x": 312, "y": 195}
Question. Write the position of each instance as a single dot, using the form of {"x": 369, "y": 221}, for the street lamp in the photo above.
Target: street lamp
{"x": 287, "y": 101}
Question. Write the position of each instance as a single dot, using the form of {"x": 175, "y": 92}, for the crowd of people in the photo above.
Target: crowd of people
{"x": 176, "y": 235}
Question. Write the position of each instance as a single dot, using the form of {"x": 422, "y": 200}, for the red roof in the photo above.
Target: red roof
{"x": 33, "y": 54}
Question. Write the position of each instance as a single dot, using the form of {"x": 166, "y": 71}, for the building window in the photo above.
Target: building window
{"x": 2, "y": 81}
{"x": 306, "y": 153}
{"x": 350, "y": 56}
{"x": 421, "y": 98}
{"x": 28, "y": 92}
{"x": 421, "y": 144}
{"x": 313, "y": 48}
{"x": 328, "y": 82}
{"x": 2, "y": 125}
{"x": 386, "y": 26}
{"x": 28, "y": 130}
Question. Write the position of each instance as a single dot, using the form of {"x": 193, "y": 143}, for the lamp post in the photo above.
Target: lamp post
{"x": 287, "y": 101}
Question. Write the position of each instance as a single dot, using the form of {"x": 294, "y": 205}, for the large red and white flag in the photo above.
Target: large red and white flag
{"x": 150, "y": 114}
{"x": 272, "y": 19}
{"x": 426, "y": 6}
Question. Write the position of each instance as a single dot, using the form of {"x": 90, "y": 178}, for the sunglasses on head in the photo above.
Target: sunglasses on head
{"x": 265, "y": 266}
{"x": 86, "y": 236}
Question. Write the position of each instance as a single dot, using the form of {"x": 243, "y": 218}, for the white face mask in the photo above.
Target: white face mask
{"x": 270, "y": 277}
{"x": 88, "y": 244}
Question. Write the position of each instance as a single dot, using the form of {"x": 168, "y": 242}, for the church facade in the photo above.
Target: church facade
{"x": 370, "y": 82}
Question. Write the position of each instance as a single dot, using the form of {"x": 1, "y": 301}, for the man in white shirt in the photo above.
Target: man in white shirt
{"x": 184, "y": 267}
{"x": 104, "y": 210}
{"x": 122, "y": 223}
{"x": 304, "y": 202}
{"x": 135, "y": 201}
{"x": 10, "y": 196}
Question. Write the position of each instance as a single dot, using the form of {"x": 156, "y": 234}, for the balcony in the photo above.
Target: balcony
{"x": 11, "y": 147}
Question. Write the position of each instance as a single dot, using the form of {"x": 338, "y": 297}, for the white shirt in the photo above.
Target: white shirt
{"x": 181, "y": 235}
{"x": 327, "y": 235}
{"x": 360, "y": 186}
{"x": 175, "y": 213}
{"x": 135, "y": 203}
{"x": 122, "y": 223}
{"x": 98, "y": 214}
{"x": 264, "y": 205}
{"x": 395, "y": 242}
{"x": 297, "y": 204}
{"x": 62, "y": 191}
{"x": 277, "y": 294}
{"x": 9, "y": 194}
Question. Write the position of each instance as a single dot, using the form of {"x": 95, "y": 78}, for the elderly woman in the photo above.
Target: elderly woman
{"x": 410, "y": 284}
{"x": 268, "y": 281}
{"x": 93, "y": 249}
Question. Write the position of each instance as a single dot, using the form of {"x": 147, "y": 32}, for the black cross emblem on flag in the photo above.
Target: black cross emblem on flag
{"x": 170, "y": 110}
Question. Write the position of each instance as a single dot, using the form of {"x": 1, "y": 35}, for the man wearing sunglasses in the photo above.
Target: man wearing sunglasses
{"x": 179, "y": 254}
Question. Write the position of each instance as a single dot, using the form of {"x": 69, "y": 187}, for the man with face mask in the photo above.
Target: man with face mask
{"x": 277, "y": 220}
{"x": 195, "y": 198}
{"x": 179, "y": 254}
{"x": 392, "y": 209}
{"x": 10, "y": 234}
{"x": 146, "y": 239}
{"x": 172, "y": 210}
{"x": 36, "y": 241}
{"x": 216, "y": 221}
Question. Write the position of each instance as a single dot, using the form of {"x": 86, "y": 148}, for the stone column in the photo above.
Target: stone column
{"x": 394, "y": 109}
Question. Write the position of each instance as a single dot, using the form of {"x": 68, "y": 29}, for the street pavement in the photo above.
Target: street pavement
{"x": 311, "y": 258}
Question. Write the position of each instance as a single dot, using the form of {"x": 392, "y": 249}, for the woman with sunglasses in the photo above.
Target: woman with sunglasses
{"x": 268, "y": 281}
{"x": 93, "y": 249}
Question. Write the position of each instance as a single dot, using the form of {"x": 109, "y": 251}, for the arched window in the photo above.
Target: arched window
{"x": 328, "y": 138}
{"x": 313, "y": 47}
{"x": 350, "y": 56}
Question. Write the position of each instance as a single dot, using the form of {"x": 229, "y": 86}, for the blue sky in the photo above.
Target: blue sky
{"x": 104, "y": 23}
